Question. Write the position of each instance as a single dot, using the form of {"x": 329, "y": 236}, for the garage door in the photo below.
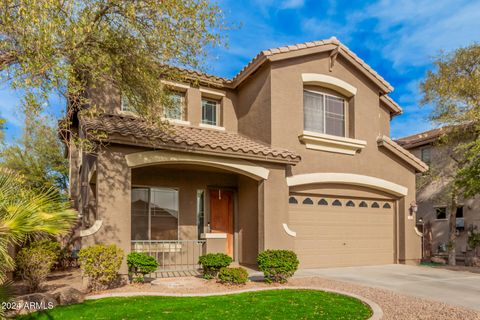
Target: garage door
{"x": 342, "y": 232}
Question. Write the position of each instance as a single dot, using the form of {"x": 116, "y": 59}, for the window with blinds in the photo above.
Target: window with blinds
{"x": 324, "y": 113}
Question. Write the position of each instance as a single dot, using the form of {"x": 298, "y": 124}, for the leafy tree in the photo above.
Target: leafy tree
{"x": 454, "y": 89}
{"x": 38, "y": 156}
{"x": 69, "y": 46}
{"x": 2, "y": 128}
{"x": 26, "y": 212}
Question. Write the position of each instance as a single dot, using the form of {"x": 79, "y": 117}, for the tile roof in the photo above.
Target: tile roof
{"x": 421, "y": 138}
{"x": 184, "y": 138}
{"x": 306, "y": 45}
{"x": 265, "y": 54}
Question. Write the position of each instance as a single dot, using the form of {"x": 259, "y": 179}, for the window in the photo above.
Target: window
{"x": 154, "y": 214}
{"x": 292, "y": 200}
{"x": 350, "y": 203}
{"x": 375, "y": 205}
{"x": 125, "y": 105}
{"x": 324, "y": 113}
{"x": 459, "y": 212}
{"x": 441, "y": 213}
{"x": 307, "y": 201}
{"x": 176, "y": 107}
{"x": 200, "y": 212}
{"x": 387, "y": 206}
{"x": 426, "y": 155}
{"x": 210, "y": 112}
{"x": 323, "y": 202}
{"x": 363, "y": 204}
{"x": 337, "y": 203}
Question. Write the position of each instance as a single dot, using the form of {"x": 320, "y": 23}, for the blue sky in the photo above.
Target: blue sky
{"x": 397, "y": 38}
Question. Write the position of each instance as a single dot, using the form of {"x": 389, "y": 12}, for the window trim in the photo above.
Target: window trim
{"x": 218, "y": 122}
{"x": 319, "y": 91}
{"x": 183, "y": 113}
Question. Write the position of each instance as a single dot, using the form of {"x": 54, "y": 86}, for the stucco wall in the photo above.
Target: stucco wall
{"x": 433, "y": 192}
{"x": 287, "y": 125}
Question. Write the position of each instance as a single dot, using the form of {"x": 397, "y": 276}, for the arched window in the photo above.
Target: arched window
{"x": 337, "y": 203}
{"x": 322, "y": 202}
{"x": 292, "y": 200}
{"x": 307, "y": 201}
{"x": 375, "y": 205}
{"x": 387, "y": 205}
{"x": 363, "y": 204}
{"x": 350, "y": 203}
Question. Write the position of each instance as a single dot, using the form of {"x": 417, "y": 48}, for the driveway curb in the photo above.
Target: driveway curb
{"x": 377, "y": 311}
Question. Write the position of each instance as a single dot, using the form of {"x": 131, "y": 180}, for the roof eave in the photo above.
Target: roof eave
{"x": 138, "y": 142}
{"x": 402, "y": 153}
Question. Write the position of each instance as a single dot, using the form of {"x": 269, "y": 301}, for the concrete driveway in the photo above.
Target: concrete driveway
{"x": 451, "y": 287}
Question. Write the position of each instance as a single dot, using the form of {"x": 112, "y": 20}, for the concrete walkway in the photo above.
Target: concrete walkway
{"x": 451, "y": 287}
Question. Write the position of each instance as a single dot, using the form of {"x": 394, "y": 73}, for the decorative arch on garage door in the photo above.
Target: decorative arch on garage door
{"x": 349, "y": 179}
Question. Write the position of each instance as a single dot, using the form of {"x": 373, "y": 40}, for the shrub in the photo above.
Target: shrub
{"x": 140, "y": 264}
{"x": 100, "y": 263}
{"x": 33, "y": 265}
{"x": 233, "y": 275}
{"x": 212, "y": 263}
{"x": 49, "y": 245}
{"x": 277, "y": 265}
{"x": 474, "y": 240}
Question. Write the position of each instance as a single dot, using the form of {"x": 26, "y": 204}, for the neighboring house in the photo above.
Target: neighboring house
{"x": 433, "y": 196}
{"x": 292, "y": 153}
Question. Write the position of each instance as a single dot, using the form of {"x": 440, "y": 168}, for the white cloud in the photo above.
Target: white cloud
{"x": 292, "y": 4}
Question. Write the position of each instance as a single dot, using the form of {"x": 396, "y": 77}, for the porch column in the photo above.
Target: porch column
{"x": 114, "y": 201}
{"x": 274, "y": 198}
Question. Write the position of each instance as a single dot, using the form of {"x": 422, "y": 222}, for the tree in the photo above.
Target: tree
{"x": 26, "y": 212}
{"x": 2, "y": 128}
{"x": 454, "y": 90}
{"x": 38, "y": 156}
{"x": 69, "y": 46}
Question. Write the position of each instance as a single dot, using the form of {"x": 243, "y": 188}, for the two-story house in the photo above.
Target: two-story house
{"x": 292, "y": 153}
{"x": 433, "y": 195}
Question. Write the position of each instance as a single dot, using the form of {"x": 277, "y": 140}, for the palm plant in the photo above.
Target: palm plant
{"x": 25, "y": 212}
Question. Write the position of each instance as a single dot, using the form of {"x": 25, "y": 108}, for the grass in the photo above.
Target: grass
{"x": 271, "y": 304}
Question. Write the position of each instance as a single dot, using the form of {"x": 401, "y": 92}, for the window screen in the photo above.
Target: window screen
{"x": 176, "y": 108}
{"x": 209, "y": 112}
{"x": 324, "y": 113}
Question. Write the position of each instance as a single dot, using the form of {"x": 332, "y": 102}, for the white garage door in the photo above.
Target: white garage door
{"x": 342, "y": 232}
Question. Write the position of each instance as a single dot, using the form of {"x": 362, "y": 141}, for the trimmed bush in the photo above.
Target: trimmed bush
{"x": 100, "y": 263}
{"x": 233, "y": 275}
{"x": 33, "y": 265}
{"x": 277, "y": 265}
{"x": 212, "y": 263}
{"x": 140, "y": 264}
{"x": 49, "y": 245}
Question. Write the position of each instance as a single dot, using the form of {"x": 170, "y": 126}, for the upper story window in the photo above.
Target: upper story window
{"x": 324, "y": 113}
{"x": 125, "y": 105}
{"x": 426, "y": 154}
{"x": 210, "y": 112}
{"x": 177, "y": 109}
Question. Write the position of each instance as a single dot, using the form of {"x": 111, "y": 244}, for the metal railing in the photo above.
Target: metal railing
{"x": 173, "y": 256}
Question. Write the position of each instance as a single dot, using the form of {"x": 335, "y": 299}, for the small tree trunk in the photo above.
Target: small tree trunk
{"x": 452, "y": 227}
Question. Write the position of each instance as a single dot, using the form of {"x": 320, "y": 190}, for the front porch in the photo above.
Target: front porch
{"x": 180, "y": 211}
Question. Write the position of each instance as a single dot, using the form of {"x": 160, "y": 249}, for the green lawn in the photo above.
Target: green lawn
{"x": 271, "y": 304}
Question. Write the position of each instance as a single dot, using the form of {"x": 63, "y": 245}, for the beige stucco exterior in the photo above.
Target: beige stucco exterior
{"x": 267, "y": 106}
{"x": 433, "y": 193}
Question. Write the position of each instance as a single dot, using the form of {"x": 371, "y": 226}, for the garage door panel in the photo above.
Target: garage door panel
{"x": 342, "y": 236}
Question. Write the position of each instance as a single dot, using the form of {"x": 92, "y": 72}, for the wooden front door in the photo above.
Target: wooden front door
{"x": 221, "y": 215}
